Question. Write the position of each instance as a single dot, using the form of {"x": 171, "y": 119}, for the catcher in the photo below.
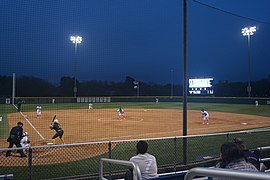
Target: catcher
{"x": 59, "y": 131}
{"x": 25, "y": 142}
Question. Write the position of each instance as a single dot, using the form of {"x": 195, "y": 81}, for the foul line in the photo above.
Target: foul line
{"x": 32, "y": 125}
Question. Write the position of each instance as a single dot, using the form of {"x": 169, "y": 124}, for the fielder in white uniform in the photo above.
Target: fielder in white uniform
{"x": 121, "y": 113}
{"x": 146, "y": 162}
{"x": 90, "y": 106}
{"x": 205, "y": 116}
{"x": 38, "y": 109}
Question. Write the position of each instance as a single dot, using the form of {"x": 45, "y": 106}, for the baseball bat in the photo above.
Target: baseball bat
{"x": 53, "y": 118}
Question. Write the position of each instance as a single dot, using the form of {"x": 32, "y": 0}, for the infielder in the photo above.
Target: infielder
{"x": 205, "y": 116}
{"x": 38, "y": 109}
{"x": 121, "y": 113}
{"x": 59, "y": 131}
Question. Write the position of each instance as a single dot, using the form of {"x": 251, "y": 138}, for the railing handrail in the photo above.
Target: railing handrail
{"x": 226, "y": 173}
{"x": 136, "y": 170}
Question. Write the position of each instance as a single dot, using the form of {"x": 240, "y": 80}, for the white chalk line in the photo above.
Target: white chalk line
{"x": 32, "y": 126}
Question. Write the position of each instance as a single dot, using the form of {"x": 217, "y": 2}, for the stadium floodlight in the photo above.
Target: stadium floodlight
{"x": 248, "y": 31}
{"x": 75, "y": 40}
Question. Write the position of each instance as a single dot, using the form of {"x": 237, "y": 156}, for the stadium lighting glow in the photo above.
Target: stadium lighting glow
{"x": 248, "y": 31}
{"x": 75, "y": 40}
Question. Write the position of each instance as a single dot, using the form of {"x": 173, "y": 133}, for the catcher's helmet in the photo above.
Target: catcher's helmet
{"x": 25, "y": 134}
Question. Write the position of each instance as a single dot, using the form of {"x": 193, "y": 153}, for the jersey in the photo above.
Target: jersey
{"x": 25, "y": 142}
{"x": 205, "y": 115}
{"x": 56, "y": 127}
{"x": 38, "y": 109}
{"x": 147, "y": 165}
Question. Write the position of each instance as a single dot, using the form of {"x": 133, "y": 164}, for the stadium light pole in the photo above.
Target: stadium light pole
{"x": 248, "y": 31}
{"x": 75, "y": 40}
{"x": 171, "y": 83}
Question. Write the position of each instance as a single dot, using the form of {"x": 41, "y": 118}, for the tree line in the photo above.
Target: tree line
{"x": 28, "y": 86}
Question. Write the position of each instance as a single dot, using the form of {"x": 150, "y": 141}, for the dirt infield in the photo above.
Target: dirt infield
{"x": 103, "y": 124}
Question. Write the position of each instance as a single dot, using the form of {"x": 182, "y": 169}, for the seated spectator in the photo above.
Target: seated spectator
{"x": 232, "y": 157}
{"x": 145, "y": 161}
{"x": 251, "y": 156}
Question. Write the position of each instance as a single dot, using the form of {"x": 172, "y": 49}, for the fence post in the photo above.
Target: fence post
{"x": 110, "y": 157}
{"x": 174, "y": 154}
{"x": 30, "y": 153}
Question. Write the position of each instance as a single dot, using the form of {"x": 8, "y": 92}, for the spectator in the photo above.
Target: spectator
{"x": 145, "y": 161}
{"x": 251, "y": 157}
{"x": 232, "y": 157}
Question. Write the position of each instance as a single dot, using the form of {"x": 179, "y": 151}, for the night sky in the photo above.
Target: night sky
{"x": 138, "y": 38}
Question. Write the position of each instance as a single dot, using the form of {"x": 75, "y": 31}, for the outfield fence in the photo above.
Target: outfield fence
{"x": 191, "y": 99}
{"x": 71, "y": 161}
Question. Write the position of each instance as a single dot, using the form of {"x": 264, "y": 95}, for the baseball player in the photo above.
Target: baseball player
{"x": 25, "y": 142}
{"x": 256, "y": 103}
{"x": 90, "y": 106}
{"x": 59, "y": 131}
{"x": 38, "y": 109}
{"x": 121, "y": 113}
{"x": 205, "y": 116}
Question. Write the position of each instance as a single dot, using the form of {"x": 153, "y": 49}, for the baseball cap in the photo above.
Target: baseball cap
{"x": 20, "y": 123}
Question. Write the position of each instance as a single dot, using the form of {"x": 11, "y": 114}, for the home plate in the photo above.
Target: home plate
{"x": 49, "y": 143}
{"x": 244, "y": 123}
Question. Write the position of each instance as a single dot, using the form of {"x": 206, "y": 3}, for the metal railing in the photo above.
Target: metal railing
{"x": 136, "y": 170}
{"x": 226, "y": 173}
{"x": 6, "y": 176}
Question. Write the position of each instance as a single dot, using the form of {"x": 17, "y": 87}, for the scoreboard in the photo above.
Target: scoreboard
{"x": 201, "y": 86}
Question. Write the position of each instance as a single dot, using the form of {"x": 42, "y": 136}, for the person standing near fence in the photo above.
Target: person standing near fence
{"x": 14, "y": 138}
{"x": 59, "y": 131}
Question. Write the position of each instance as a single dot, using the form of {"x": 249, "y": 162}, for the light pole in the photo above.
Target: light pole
{"x": 171, "y": 83}
{"x": 248, "y": 31}
{"x": 75, "y": 40}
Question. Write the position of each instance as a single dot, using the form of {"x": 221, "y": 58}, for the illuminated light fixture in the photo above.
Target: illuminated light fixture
{"x": 76, "y": 39}
{"x": 248, "y": 31}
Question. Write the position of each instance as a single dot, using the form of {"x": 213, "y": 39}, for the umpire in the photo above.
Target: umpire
{"x": 15, "y": 137}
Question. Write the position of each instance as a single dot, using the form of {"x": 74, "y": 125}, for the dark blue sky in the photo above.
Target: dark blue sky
{"x": 139, "y": 38}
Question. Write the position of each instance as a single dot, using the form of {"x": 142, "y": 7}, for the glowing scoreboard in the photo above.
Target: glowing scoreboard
{"x": 201, "y": 86}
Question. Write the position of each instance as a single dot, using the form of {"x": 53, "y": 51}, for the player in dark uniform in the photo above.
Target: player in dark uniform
{"x": 15, "y": 137}
{"x": 59, "y": 131}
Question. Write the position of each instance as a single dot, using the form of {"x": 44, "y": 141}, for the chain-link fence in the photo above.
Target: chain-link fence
{"x": 71, "y": 161}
